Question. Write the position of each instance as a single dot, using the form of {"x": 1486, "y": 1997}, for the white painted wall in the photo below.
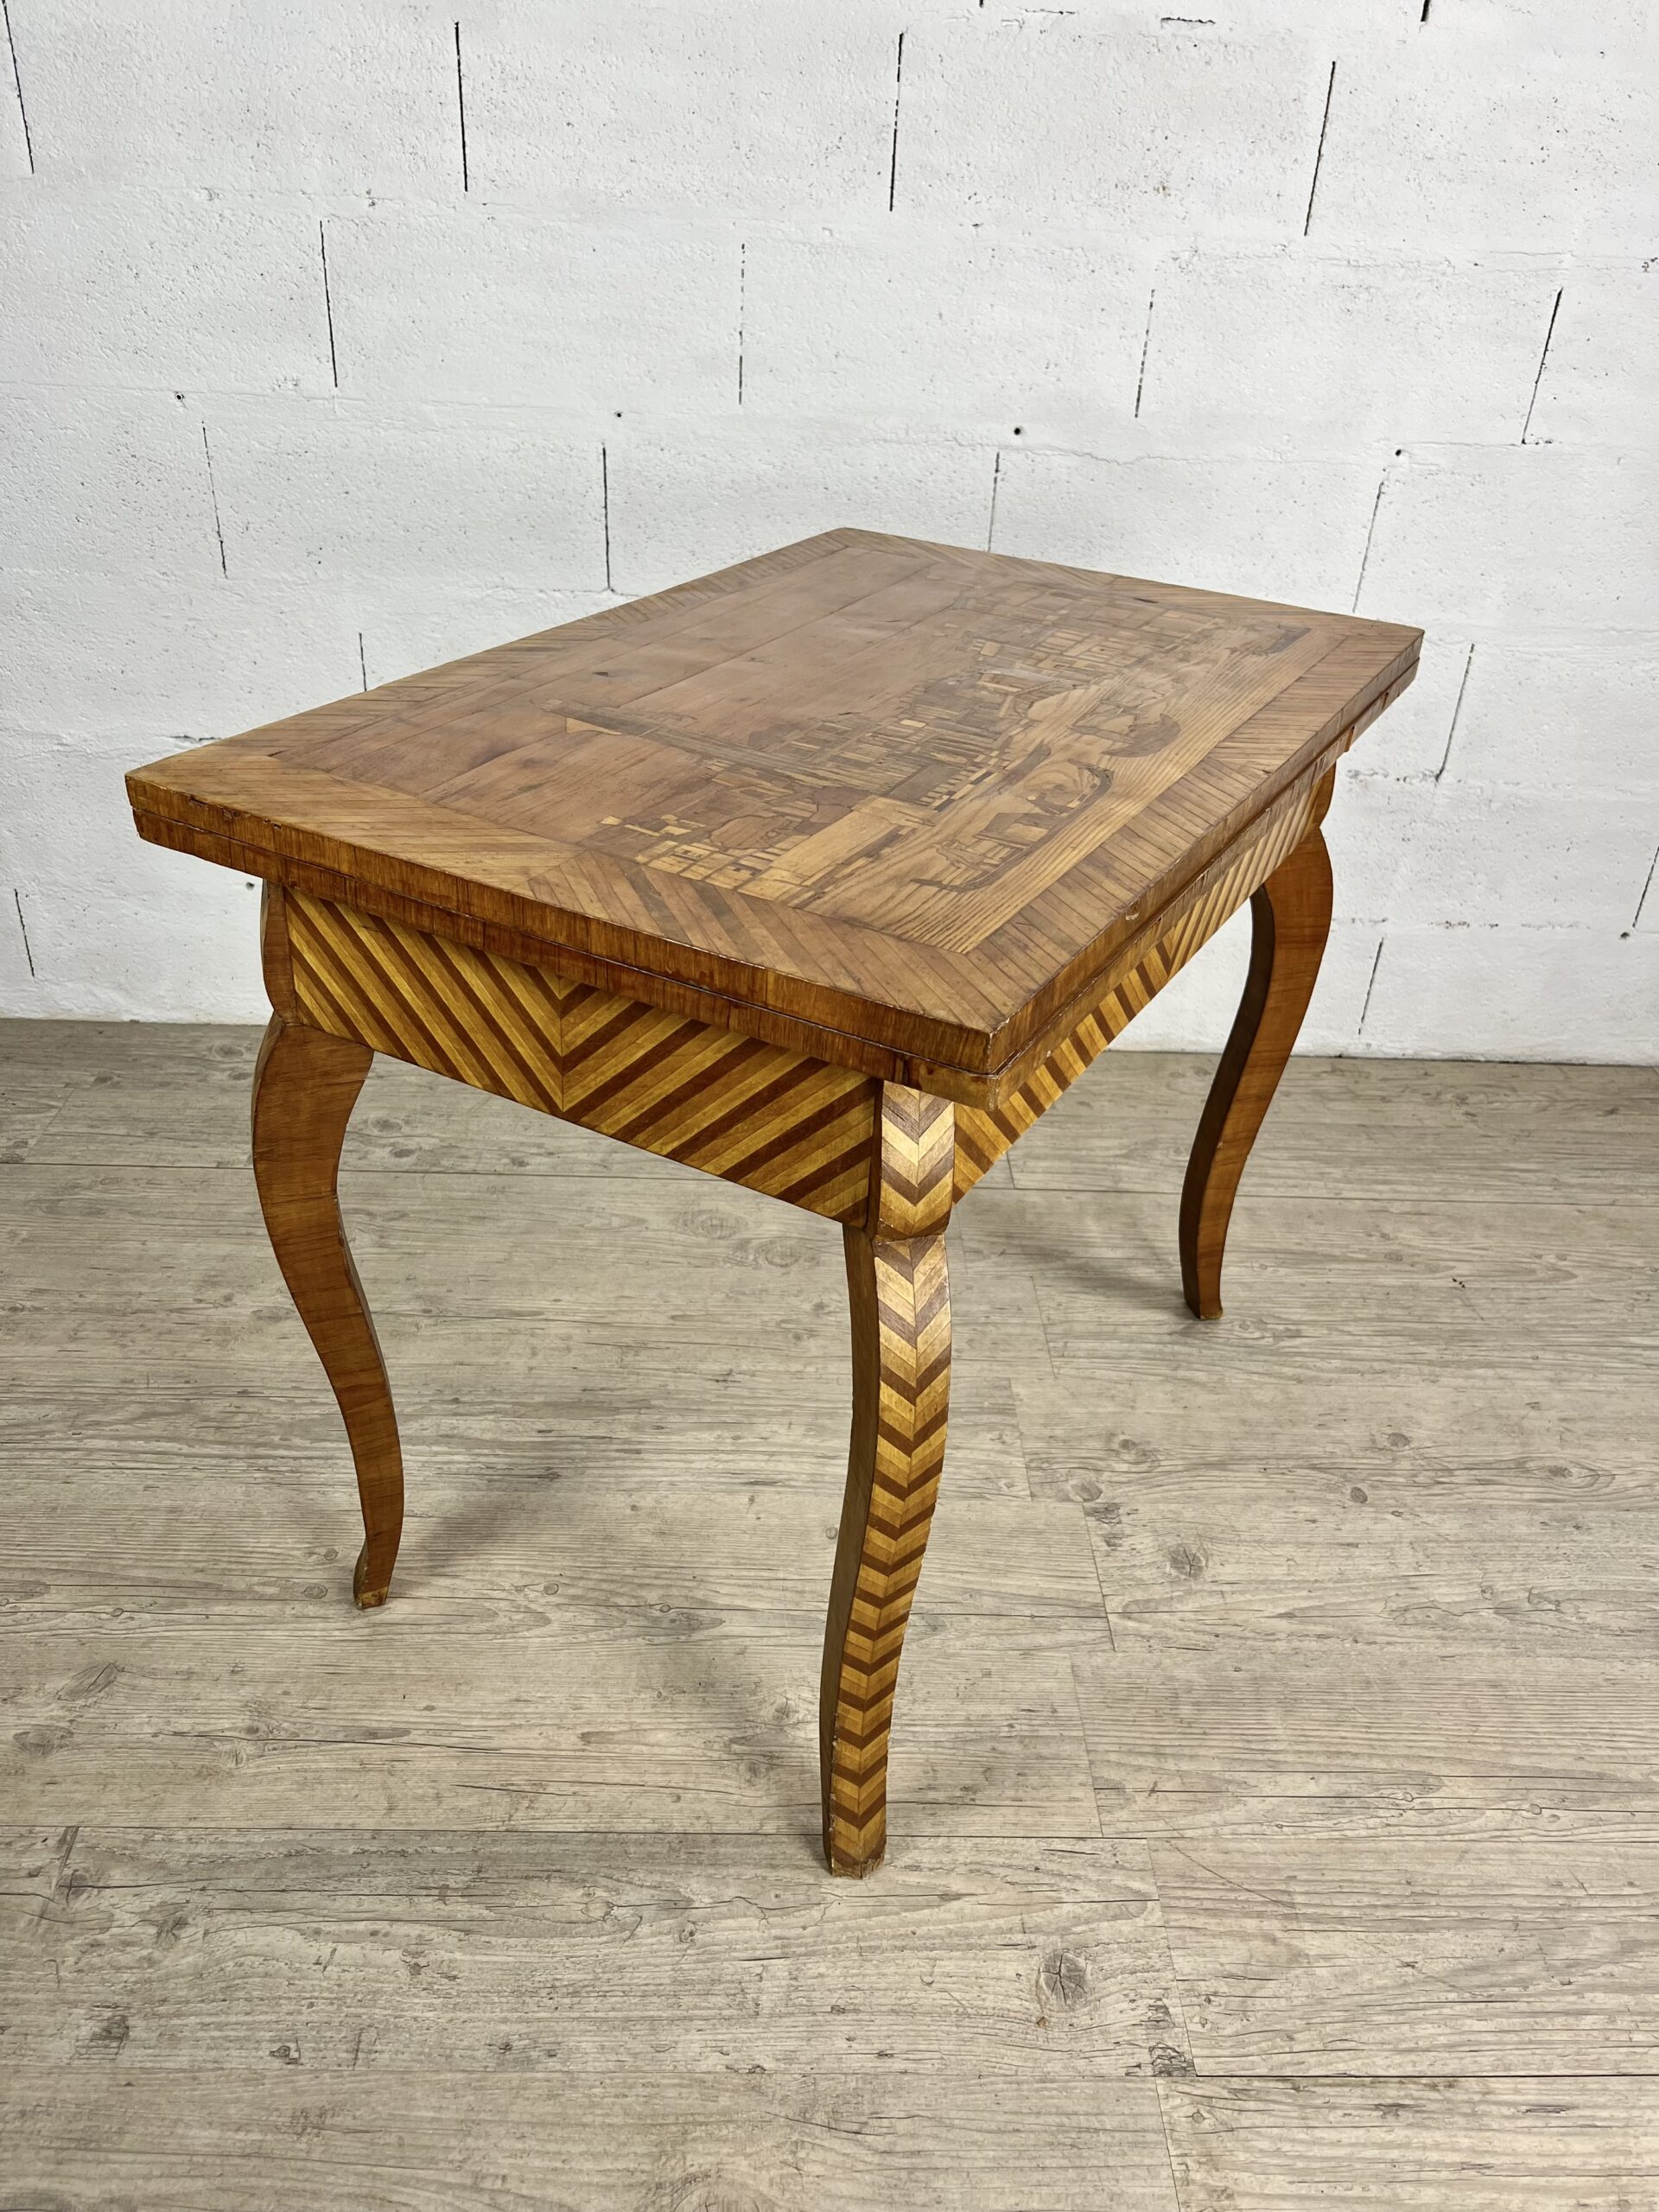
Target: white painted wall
{"x": 341, "y": 340}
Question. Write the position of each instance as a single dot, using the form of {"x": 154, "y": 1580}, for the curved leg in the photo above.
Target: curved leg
{"x": 1291, "y": 917}
{"x": 304, "y": 1089}
{"x": 901, "y": 1375}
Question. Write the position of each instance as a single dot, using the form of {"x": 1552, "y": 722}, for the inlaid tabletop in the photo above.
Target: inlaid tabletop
{"x": 908, "y": 800}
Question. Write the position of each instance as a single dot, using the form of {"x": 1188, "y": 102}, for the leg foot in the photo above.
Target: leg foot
{"x": 1291, "y": 914}
{"x": 371, "y": 1578}
{"x": 901, "y": 1372}
{"x": 303, "y": 1091}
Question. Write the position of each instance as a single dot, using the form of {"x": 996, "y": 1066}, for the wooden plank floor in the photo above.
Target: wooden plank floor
{"x": 1276, "y": 1781}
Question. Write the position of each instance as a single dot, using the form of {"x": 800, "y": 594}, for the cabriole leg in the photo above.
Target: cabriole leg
{"x": 1291, "y": 915}
{"x": 303, "y": 1091}
{"x": 901, "y": 1374}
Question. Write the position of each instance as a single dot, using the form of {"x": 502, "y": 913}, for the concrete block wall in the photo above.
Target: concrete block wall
{"x": 339, "y": 341}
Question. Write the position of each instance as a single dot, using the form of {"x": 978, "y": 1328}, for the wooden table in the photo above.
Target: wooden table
{"x": 826, "y": 874}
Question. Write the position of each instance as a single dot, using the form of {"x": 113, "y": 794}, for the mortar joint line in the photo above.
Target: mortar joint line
{"x": 212, "y": 494}
{"x": 1370, "y": 532}
{"x": 1653, "y": 865}
{"x": 17, "y": 80}
{"x": 17, "y": 900}
{"x": 1319, "y": 151}
{"x": 742, "y": 308}
{"x": 1537, "y": 380}
{"x": 327, "y": 303}
{"x": 1469, "y": 662}
{"x": 1146, "y": 348}
{"x": 1370, "y": 986}
{"x": 605, "y": 502}
{"x": 898, "y": 84}
{"x": 461, "y": 111}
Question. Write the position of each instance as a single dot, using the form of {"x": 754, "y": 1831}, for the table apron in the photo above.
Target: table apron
{"x": 798, "y": 1128}
{"x": 734, "y": 1106}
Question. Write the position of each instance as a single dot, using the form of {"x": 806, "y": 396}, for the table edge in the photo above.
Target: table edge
{"x": 975, "y": 1062}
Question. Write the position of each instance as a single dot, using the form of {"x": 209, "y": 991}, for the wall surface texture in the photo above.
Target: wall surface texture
{"x": 341, "y": 340}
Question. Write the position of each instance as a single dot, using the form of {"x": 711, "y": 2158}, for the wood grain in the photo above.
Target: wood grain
{"x": 911, "y": 797}
{"x": 1440, "y": 1740}
{"x": 1333, "y": 1292}
{"x": 1412, "y": 1955}
{"x": 567, "y": 1730}
{"x": 377, "y": 1909}
{"x": 1479, "y": 1454}
{"x": 31, "y": 1098}
{"x": 1579, "y": 2144}
{"x": 1447, "y": 1133}
{"x": 1043, "y": 1961}
{"x": 522, "y": 1552}
{"x": 703, "y": 2140}
{"x": 1377, "y": 1554}
{"x": 1291, "y": 914}
{"x": 304, "y": 1089}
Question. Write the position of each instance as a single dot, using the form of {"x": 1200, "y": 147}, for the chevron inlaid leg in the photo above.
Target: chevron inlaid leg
{"x": 901, "y": 1372}
{"x": 1291, "y": 915}
{"x": 303, "y": 1091}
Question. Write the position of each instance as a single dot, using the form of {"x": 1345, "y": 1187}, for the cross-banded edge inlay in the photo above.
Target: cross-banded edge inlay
{"x": 901, "y": 1376}
{"x": 753, "y": 1113}
{"x": 982, "y": 1136}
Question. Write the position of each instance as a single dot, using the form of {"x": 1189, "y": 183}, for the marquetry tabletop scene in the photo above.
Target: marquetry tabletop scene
{"x": 827, "y": 875}
{"x": 905, "y": 807}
